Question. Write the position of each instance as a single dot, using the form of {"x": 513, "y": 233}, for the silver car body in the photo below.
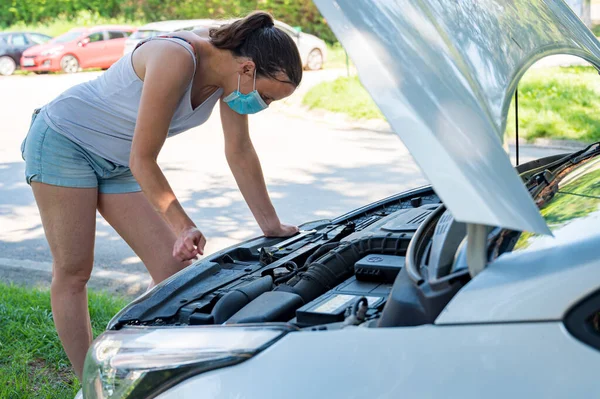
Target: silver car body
{"x": 443, "y": 73}
{"x": 485, "y": 361}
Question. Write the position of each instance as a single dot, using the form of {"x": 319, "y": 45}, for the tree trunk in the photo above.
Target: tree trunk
{"x": 586, "y": 13}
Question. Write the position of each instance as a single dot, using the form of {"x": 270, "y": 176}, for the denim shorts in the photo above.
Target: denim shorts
{"x": 54, "y": 159}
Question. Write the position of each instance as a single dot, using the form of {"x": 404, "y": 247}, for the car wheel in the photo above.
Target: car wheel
{"x": 315, "y": 60}
{"x": 7, "y": 66}
{"x": 69, "y": 64}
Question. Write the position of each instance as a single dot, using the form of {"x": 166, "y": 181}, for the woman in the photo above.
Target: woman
{"x": 96, "y": 145}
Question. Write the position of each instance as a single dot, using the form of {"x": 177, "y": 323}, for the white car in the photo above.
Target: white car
{"x": 161, "y": 28}
{"x": 461, "y": 289}
{"x": 313, "y": 51}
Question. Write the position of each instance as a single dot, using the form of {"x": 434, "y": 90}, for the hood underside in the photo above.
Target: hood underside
{"x": 443, "y": 73}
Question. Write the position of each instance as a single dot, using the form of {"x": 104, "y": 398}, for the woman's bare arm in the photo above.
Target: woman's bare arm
{"x": 246, "y": 169}
{"x": 164, "y": 85}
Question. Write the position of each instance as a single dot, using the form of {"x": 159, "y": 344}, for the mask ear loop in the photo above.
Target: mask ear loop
{"x": 239, "y": 76}
{"x": 254, "y": 88}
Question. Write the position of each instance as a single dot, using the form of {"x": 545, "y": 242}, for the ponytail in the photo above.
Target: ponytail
{"x": 256, "y": 37}
{"x": 233, "y": 35}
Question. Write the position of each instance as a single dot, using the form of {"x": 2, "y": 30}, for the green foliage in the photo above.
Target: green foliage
{"x": 558, "y": 103}
{"x": 62, "y": 24}
{"x": 301, "y": 13}
{"x": 32, "y": 361}
{"x": 345, "y": 95}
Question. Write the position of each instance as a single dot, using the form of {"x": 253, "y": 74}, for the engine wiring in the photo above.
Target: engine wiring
{"x": 358, "y": 313}
{"x": 293, "y": 269}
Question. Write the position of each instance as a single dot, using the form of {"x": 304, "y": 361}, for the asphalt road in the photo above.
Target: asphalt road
{"x": 315, "y": 168}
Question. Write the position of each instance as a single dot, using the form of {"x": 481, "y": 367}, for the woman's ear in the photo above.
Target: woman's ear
{"x": 247, "y": 68}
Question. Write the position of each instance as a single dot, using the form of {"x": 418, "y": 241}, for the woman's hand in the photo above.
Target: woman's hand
{"x": 189, "y": 244}
{"x": 282, "y": 230}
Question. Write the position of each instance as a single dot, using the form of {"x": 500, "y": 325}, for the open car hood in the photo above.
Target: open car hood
{"x": 444, "y": 72}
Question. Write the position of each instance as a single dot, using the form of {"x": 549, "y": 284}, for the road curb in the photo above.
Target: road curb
{"x": 39, "y": 274}
{"x": 344, "y": 122}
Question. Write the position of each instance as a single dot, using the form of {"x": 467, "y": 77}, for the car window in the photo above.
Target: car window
{"x": 18, "y": 40}
{"x": 96, "y": 37}
{"x": 67, "y": 37}
{"x": 38, "y": 39}
{"x": 116, "y": 35}
{"x": 570, "y": 210}
{"x": 3, "y": 39}
{"x": 145, "y": 34}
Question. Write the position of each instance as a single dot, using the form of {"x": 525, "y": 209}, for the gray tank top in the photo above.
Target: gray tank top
{"x": 100, "y": 115}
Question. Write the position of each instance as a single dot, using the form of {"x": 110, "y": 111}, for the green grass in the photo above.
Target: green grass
{"x": 558, "y": 103}
{"x": 345, "y": 95}
{"x": 62, "y": 24}
{"x": 555, "y": 103}
{"x": 32, "y": 361}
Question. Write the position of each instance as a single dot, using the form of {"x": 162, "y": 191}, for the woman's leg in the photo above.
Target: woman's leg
{"x": 69, "y": 220}
{"x": 150, "y": 237}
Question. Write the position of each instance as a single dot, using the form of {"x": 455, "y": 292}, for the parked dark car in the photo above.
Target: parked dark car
{"x": 12, "y": 46}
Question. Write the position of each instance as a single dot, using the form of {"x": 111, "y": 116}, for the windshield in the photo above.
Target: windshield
{"x": 67, "y": 37}
{"x": 573, "y": 207}
{"x": 145, "y": 34}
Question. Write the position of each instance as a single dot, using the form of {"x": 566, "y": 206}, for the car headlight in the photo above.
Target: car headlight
{"x": 141, "y": 362}
{"x": 52, "y": 51}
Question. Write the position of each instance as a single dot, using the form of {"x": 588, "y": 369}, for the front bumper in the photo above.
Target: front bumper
{"x": 41, "y": 63}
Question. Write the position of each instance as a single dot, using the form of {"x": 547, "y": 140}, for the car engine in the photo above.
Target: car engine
{"x": 333, "y": 274}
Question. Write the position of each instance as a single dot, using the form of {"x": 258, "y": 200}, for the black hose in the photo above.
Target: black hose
{"x": 337, "y": 265}
{"x": 293, "y": 271}
{"x": 319, "y": 252}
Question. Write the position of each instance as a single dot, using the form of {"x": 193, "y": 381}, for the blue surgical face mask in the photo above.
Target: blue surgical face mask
{"x": 244, "y": 104}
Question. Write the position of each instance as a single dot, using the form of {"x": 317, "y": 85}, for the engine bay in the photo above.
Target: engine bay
{"x": 334, "y": 273}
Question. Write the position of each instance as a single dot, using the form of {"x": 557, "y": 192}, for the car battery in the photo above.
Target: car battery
{"x": 334, "y": 305}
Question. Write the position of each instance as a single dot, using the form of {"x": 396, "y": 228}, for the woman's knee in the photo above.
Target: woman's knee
{"x": 72, "y": 272}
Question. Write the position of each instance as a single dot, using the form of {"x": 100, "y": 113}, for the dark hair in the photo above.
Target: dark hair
{"x": 257, "y": 38}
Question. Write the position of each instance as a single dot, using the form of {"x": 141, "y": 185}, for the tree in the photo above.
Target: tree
{"x": 583, "y": 9}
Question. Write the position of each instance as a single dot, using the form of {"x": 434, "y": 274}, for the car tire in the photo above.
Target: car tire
{"x": 7, "y": 66}
{"x": 314, "y": 62}
{"x": 69, "y": 64}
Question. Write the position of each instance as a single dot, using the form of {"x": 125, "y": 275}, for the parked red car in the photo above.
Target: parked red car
{"x": 97, "y": 47}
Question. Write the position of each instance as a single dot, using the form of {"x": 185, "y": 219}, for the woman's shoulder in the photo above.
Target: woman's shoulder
{"x": 179, "y": 56}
